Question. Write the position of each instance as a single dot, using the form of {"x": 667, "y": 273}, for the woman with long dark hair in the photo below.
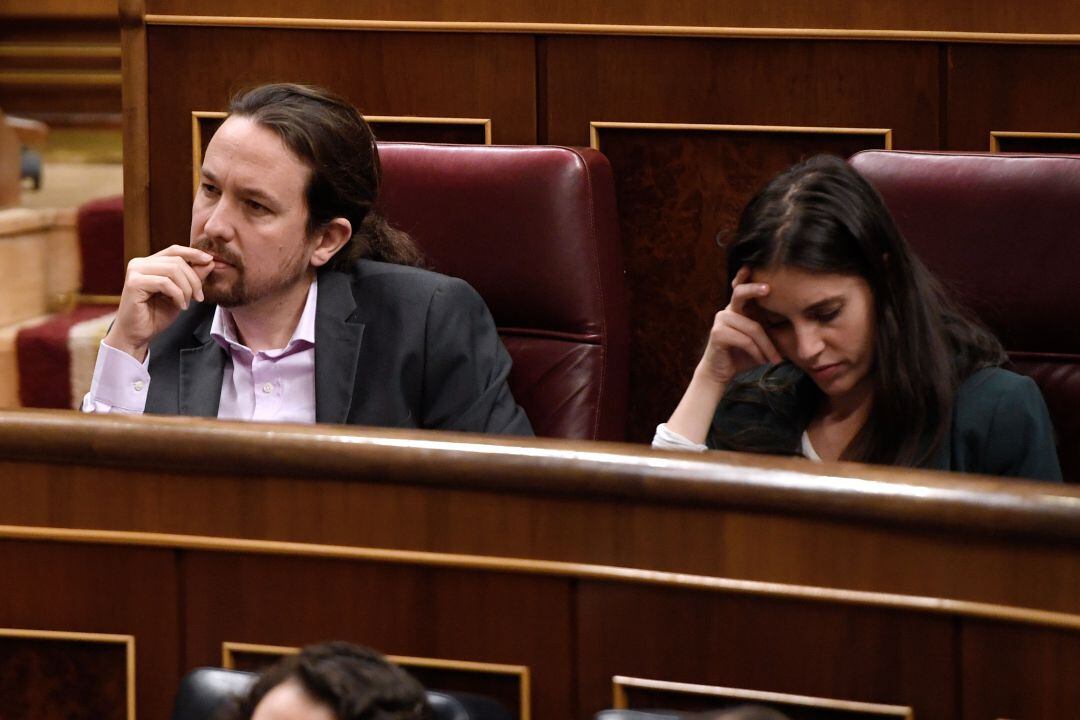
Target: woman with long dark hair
{"x": 838, "y": 343}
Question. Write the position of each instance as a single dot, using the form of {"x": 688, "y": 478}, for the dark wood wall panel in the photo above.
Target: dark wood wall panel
{"x": 676, "y": 190}
{"x": 64, "y": 71}
{"x": 1056, "y": 16}
{"x": 440, "y": 75}
{"x": 1010, "y": 87}
{"x": 1035, "y": 144}
{"x": 680, "y": 193}
{"x": 99, "y": 589}
{"x": 774, "y": 645}
{"x": 747, "y": 82}
{"x": 414, "y": 611}
{"x": 1019, "y": 672}
{"x": 49, "y": 679}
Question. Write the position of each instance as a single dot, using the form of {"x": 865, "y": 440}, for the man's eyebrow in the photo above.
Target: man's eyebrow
{"x": 247, "y": 192}
{"x": 257, "y": 194}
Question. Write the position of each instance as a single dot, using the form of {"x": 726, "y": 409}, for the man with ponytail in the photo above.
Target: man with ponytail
{"x": 295, "y": 300}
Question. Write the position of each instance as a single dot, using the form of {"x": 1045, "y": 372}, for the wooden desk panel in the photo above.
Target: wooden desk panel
{"x": 72, "y": 589}
{"x": 579, "y": 561}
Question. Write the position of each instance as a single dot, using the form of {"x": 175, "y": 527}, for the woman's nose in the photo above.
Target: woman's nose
{"x": 808, "y": 342}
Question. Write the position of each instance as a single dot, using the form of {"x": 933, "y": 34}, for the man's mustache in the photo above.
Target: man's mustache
{"x": 219, "y": 250}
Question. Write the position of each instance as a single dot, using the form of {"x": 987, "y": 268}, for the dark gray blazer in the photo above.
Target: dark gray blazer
{"x": 395, "y": 346}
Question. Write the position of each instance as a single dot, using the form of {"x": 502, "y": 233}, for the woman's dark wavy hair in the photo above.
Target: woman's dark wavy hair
{"x": 822, "y": 216}
{"x": 355, "y": 682}
{"x": 332, "y": 138}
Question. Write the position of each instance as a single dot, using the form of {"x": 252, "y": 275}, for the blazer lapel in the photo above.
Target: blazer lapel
{"x": 338, "y": 334}
{"x": 201, "y": 371}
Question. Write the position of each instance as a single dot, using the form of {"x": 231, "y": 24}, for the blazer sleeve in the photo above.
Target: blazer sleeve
{"x": 1019, "y": 436}
{"x": 466, "y": 367}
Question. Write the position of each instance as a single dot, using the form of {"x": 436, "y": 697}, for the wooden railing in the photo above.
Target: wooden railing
{"x": 572, "y": 563}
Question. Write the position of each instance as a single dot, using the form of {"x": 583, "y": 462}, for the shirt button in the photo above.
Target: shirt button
{"x": 268, "y": 388}
{"x": 138, "y": 385}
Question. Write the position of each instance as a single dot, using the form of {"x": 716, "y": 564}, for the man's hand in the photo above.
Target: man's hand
{"x": 156, "y": 289}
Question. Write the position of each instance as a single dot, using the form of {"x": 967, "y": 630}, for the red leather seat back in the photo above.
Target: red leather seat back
{"x": 1003, "y": 231}
{"x": 534, "y": 230}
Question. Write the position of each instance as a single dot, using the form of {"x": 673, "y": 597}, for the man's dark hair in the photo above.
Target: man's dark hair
{"x": 357, "y": 683}
{"x": 332, "y": 138}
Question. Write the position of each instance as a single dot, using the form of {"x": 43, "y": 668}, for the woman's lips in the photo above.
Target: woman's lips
{"x": 826, "y": 372}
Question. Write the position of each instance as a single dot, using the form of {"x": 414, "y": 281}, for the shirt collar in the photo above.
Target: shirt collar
{"x": 223, "y": 327}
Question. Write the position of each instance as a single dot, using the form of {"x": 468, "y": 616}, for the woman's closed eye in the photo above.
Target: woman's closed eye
{"x": 827, "y": 315}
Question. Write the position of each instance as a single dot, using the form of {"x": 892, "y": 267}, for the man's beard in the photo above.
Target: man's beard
{"x": 241, "y": 292}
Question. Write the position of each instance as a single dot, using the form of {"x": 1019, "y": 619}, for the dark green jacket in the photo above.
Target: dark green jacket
{"x": 1000, "y": 424}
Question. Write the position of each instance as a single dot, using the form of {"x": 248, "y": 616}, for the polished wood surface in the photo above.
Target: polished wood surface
{"x": 579, "y": 561}
{"x": 1058, "y": 16}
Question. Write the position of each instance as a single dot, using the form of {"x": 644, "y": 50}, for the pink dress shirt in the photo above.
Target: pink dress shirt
{"x": 274, "y": 385}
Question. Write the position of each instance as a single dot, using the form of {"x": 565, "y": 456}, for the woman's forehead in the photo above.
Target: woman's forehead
{"x": 793, "y": 289}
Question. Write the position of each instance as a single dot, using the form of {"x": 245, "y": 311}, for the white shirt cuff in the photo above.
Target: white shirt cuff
{"x": 120, "y": 383}
{"x": 667, "y": 439}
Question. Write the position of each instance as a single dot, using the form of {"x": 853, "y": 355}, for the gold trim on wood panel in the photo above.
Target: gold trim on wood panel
{"x": 229, "y": 649}
{"x": 196, "y": 142}
{"x": 621, "y": 682}
{"x": 556, "y": 568}
{"x": 197, "y": 115}
{"x": 59, "y": 77}
{"x": 596, "y": 126}
{"x": 424, "y": 120}
{"x": 995, "y": 145}
{"x": 81, "y": 299}
{"x": 128, "y": 641}
{"x": 541, "y": 28}
{"x": 58, "y": 50}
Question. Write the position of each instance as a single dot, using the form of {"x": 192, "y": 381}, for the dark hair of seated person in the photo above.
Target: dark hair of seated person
{"x": 744, "y": 712}
{"x": 332, "y": 138}
{"x": 356, "y": 683}
{"x": 822, "y": 216}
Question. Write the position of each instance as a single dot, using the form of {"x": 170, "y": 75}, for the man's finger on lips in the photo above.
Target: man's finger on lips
{"x": 194, "y": 282}
{"x": 179, "y": 274}
{"x": 191, "y": 254}
{"x": 161, "y": 285}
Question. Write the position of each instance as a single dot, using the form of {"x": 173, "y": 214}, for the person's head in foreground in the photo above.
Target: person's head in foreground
{"x": 745, "y": 712}
{"x": 289, "y": 183}
{"x": 334, "y": 681}
{"x": 857, "y": 351}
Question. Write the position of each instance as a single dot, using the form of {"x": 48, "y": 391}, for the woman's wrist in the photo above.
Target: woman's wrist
{"x": 695, "y": 411}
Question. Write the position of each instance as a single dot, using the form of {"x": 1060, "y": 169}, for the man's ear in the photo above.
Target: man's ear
{"x": 329, "y": 239}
